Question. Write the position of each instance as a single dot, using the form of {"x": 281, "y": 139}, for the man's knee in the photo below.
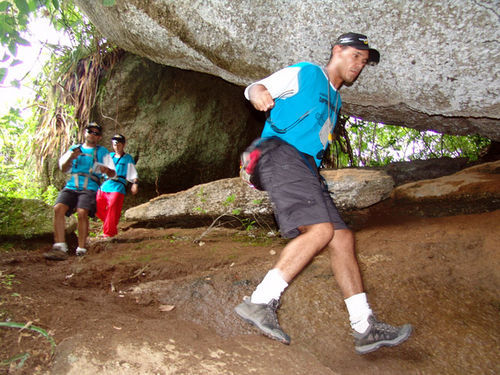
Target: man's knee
{"x": 322, "y": 231}
{"x": 60, "y": 209}
{"x": 83, "y": 214}
{"x": 343, "y": 241}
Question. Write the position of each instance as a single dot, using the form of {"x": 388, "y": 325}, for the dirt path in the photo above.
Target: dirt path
{"x": 154, "y": 302}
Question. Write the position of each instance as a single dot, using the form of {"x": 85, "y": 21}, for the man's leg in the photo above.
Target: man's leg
{"x": 102, "y": 205}
{"x": 60, "y": 210}
{"x": 301, "y": 250}
{"x": 83, "y": 226}
{"x": 370, "y": 334}
{"x": 59, "y": 249}
{"x": 260, "y": 309}
{"x": 115, "y": 204}
{"x": 344, "y": 263}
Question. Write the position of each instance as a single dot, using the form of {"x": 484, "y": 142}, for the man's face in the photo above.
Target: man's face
{"x": 350, "y": 62}
{"x": 117, "y": 146}
{"x": 92, "y": 136}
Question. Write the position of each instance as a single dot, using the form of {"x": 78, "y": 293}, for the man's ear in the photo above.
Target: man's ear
{"x": 336, "y": 49}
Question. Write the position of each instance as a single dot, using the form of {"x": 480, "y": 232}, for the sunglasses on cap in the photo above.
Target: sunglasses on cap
{"x": 93, "y": 132}
{"x": 115, "y": 142}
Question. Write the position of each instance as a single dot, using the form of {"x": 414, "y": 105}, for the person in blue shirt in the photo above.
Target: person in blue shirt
{"x": 86, "y": 163}
{"x": 302, "y": 103}
{"x": 111, "y": 195}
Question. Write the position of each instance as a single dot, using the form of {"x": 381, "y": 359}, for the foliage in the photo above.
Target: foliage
{"x": 21, "y": 358}
{"x": 67, "y": 88}
{"x": 359, "y": 143}
{"x": 14, "y": 19}
{"x": 7, "y": 280}
{"x": 18, "y": 177}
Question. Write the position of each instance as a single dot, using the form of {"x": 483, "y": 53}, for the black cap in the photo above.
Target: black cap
{"x": 94, "y": 125}
{"x": 359, "y": 41}
{"x": 119, "y": 138}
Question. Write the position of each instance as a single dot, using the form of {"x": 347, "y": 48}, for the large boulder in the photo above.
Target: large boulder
{"x": 350, "y": 189}
{"x": 183, "y": 128}
{"x": 358, "y": 193}
{"x": 473, "y": 190}
{"x": 409, "y": 171}
{"x": 439, "y": 68}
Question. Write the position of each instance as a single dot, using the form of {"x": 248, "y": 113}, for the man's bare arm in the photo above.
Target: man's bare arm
{"x": 66, "y": 164}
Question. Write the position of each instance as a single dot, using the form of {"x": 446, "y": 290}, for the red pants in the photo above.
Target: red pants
{"x": 109, "y": 209}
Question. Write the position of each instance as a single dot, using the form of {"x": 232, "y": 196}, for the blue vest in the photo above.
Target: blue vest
{"x": 118, "y": 183}
{"x": 82, "y": 173}
{"x": 302, "y": 119}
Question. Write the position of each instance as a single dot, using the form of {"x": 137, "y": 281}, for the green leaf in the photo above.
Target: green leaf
{"x": 4, "y": 5}
{"x": 108, "y": 3}
{"x": 56, "y": 4}
{"x": 3, "y": 73}
{"x": 5, "y": 57}
{"x": 22, "y": 41}
{"x": 15, "y": 62}
{"x": 23, "y": 6}
{"x": 16, "y": 83}
{"x": 13, "y": 48}
{"x": 43, "y": 332}
{"x": 32, "y": 5}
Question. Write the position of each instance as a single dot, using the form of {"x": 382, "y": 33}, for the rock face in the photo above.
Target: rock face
{"x": 357, "y": 188}
{"x": 472, "y": 190}
{"x": 439, "y": 67}
{"x": 183, "y": 128}
{"x": 350, "y": 189}
{"x": 415, "y": 170}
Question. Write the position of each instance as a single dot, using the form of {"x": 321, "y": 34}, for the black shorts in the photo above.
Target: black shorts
{"x": 297, "y": 191}
{"x": 74, "y": 199}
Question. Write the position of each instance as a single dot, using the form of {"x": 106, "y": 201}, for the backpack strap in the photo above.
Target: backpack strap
{"x": 88, "y": 175}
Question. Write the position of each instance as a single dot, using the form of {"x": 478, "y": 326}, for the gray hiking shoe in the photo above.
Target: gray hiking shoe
{"x": 264, "y": 317}
{"x": 380, "y": 334}
{"x": 56, "y": 254}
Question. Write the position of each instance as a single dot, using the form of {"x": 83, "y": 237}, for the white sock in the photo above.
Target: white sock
{"x": 61, "y": 246}
{"x": 359, "y": 311}
{"x": 269, "y": 288}
{"x": 81, "y": 250}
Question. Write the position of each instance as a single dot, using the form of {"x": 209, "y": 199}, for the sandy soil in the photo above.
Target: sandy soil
{"x": 154, "y": 302}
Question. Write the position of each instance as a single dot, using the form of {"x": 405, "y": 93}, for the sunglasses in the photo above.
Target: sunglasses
{"x": 93, "y": 132}
{"x": 115, "y": 142}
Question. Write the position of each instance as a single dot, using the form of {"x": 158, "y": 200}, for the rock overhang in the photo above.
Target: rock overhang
{"x": 439, "y": 68}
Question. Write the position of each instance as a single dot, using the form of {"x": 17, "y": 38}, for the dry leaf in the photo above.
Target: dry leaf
{"x": 166, "y": 308}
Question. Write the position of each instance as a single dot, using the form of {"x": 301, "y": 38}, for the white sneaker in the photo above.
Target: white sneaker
{"x": 80, "y": 251}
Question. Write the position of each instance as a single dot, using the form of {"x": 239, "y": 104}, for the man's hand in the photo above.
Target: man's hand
{"x": 77, "y": 151}
{"x": 260, "y": 98}
{"x": 107, "y": 171}
{"x": 134, "y": 188}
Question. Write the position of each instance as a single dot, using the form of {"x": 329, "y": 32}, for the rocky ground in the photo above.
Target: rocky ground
{"x": 152, "y": 301}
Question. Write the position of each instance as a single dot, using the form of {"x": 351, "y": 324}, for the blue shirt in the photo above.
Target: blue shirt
{"x": 300, "y": 116}
{"x": 86, "y": 165}
{"x": 125, "y": 171}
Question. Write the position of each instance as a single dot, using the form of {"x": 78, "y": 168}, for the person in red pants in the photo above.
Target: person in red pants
{"x": 112, "y": 192}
